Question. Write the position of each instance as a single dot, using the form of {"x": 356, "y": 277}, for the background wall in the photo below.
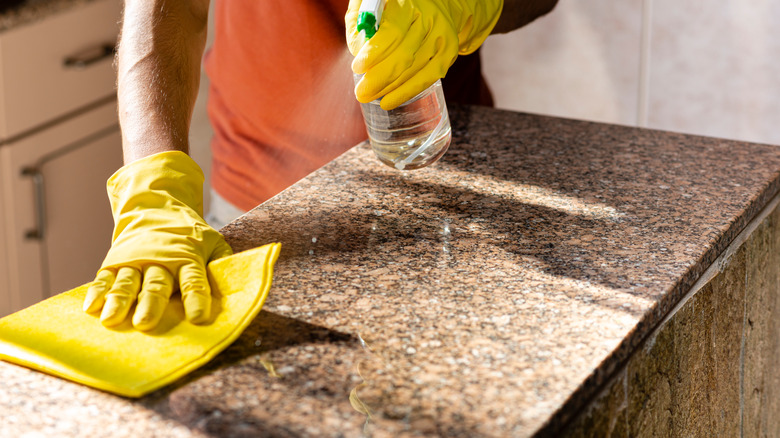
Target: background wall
{"x": 200, "y": 129}
{"x": 706, "y": 67}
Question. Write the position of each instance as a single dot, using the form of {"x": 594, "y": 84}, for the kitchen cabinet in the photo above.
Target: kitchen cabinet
{"x": 59, "y": 142}
{"x": 58, "y": 221}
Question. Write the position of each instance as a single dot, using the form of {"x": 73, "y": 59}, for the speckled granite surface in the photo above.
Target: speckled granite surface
{"x": 28, "y": 11}
{"x": 490, "y": 295}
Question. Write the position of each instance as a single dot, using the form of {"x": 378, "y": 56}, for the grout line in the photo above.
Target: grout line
{"x": 644, "y": 64}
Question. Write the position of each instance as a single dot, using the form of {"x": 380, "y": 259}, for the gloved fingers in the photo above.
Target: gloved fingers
{"x": 96, "y": 294}
{"x": 195, "y": 293}
{"x": 416, "y": 84}
{"x": 121, "y": 297}
{"x": 399, "y": 24}
{"x": 441, "y": 52}
{"x": 427, "y": 57}
{"x": 405, "y": 92}
{"x": 410, "y": 55}
{"x": 354, "y": 40}
{"x": 433, "y": 59}
{"x": 475, "y": 23}
{"x": 155, "y": 293}
{"x": 222, "y": 250}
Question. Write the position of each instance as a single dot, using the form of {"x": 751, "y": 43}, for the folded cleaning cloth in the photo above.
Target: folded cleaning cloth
{"x": 55, "y": 336}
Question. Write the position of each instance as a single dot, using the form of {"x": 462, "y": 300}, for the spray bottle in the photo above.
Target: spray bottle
{"x": 417, "y": 133}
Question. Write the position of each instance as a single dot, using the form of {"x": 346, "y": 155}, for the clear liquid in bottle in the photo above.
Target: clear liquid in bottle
{"x": 412, "y": 136}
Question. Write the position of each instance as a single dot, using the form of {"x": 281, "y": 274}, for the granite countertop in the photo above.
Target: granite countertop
{"x": 492, "y": 294}
{"x": 28, "y": 11}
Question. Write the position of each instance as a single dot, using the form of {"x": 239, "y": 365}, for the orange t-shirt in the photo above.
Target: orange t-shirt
{"x": 281, "y": 100}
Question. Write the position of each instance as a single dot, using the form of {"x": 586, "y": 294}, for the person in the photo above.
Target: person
{"x": 282, "y": 103}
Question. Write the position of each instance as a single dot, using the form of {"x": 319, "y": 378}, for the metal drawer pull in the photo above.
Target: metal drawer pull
{"x": 90, "y": 56}
{"x": 35, "y": 172}
{"x": 40, "y": 205}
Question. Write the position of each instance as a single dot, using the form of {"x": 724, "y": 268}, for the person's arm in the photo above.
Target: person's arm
{"x": 158, "y": 71}
{"x": 517, "y": 13}
{"x": 160, "y": 242}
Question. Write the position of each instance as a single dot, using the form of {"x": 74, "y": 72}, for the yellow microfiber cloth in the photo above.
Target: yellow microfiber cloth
{"x": 55, "y": 336}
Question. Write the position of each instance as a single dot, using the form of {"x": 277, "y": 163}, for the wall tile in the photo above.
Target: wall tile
{"x": 579, "y": 61}
{"x": 606, "y": 416}
{"x": 714, "y": 68}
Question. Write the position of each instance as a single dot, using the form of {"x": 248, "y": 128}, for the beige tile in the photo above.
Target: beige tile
{"x": 606, "y": 416}
{"x": 762, "y": 344}
{"x": 714, "y": 68}
{"x": 579, "y": 61}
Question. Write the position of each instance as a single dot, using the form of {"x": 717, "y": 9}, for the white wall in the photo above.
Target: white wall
{"x": 708, "y": 67}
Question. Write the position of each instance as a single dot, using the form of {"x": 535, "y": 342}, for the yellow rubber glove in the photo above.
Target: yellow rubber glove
{"x": 160, "y": 242}
{"x": 417, "y": 42}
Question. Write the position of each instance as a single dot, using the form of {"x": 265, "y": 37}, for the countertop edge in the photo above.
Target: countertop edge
{"x": 651, "y": 321}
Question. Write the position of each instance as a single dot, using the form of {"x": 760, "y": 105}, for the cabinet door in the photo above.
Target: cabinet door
{"x": 5, "y": 298}
{"x": 77, "y": 214}
{"x": 58, "y": 221}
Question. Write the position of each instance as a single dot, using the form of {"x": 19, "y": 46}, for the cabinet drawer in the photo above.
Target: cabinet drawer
{"x": 57, "y": 217}
{"x": 52, "y": 67}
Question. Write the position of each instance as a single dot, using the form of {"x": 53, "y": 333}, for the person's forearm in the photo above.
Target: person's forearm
{"x": 518, "y": 13}
{"x": 158, "y": 72}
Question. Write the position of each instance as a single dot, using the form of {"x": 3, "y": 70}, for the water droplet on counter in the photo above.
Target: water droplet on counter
{"x": 269, "y": 366}
{"x": 364, "y": 344}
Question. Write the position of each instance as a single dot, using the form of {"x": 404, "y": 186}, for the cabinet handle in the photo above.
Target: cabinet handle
{"x": 38, "y": 232}
{"x": 91, "y": 56}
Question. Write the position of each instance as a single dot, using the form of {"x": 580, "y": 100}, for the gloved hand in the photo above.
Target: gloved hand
{"x": 160, "y": 241}
{"x": 417, "y": 42}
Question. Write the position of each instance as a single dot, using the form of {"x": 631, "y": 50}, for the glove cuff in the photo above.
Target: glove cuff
{"x": 476, "y": 20}
{"x": 164, "y": 180}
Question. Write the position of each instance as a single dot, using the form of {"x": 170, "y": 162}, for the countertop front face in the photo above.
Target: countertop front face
{"x": 489, "y": 295}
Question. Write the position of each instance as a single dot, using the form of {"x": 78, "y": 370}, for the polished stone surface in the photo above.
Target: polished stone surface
{"x": 493, "y": 294}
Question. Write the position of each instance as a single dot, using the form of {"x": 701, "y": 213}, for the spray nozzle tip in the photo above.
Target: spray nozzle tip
{"x": 367, "y": 24}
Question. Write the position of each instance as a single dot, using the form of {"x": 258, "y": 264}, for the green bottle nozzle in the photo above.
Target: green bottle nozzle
{"x": 369, "y": 16}
{"x": 366, "y": 23}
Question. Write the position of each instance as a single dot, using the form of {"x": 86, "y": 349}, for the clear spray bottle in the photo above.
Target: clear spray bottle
{"x": 415, "y": 134}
